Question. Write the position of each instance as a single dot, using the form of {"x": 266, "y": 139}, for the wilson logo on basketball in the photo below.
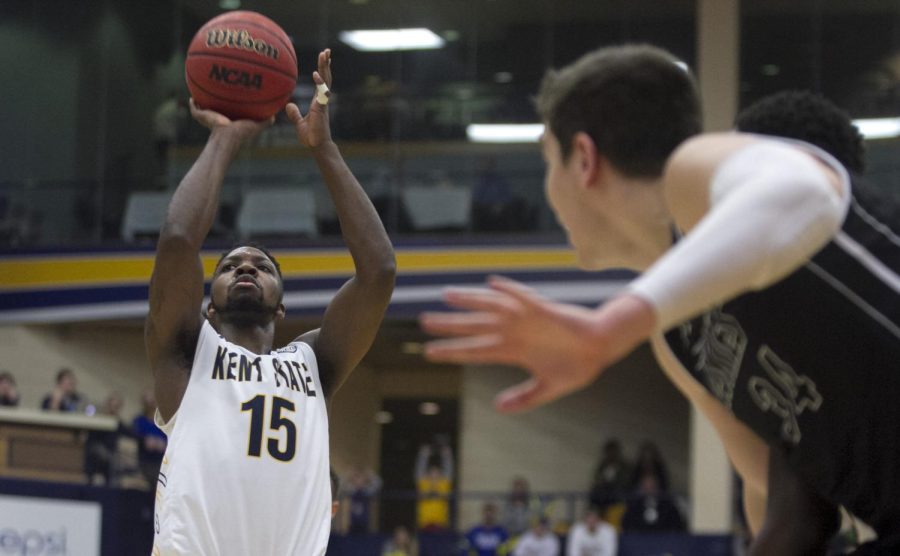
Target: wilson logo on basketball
{"x": 239, "y": 38}
{"x": 236, "y": 77}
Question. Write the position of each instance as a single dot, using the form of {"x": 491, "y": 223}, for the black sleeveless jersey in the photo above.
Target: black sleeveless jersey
{"x": 812, "y": 362}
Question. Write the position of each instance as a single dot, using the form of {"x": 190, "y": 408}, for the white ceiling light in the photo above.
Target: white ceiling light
{"x": 386, "y": 40}
{"x": 229, "y": 4}
{"x": 504, "y": 133}
{"x": 878, "y": 128}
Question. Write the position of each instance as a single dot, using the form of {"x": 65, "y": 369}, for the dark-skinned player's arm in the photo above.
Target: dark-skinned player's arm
{"x": 354, "y": 315}
{"x": 798, "y": 521}
{"x": 176, "y": 286}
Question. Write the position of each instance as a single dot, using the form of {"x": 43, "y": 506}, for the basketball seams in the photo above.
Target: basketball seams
{"x": 289, "y": 48}
{"x": 239, "y": 59}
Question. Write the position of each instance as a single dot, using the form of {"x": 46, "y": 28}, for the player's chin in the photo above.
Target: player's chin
{"x": 246, "y": 298}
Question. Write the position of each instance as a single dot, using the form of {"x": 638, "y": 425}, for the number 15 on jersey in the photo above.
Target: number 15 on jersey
{"x": 279, "y": 418}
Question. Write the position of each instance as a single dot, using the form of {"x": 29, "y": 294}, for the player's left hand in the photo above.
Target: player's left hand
{"x": 563, "y": 347}
{"x": 313, "y": 129}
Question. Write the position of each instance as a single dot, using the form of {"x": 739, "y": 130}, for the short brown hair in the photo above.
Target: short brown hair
{"x": 634, "y": 101}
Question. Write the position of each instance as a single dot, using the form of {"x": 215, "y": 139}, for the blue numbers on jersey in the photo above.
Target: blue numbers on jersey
{"x": 257, "y": 408}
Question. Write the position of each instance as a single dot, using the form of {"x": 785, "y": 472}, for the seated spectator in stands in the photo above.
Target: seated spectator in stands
{"x": 360, "y": 488}
{"x": 335, "y": 489}
{"x": 101, "y": 447}
{"x": 538, "y": 541}
{"x": 592, "y": 537}
{"x": 487, "y": 538}
{"x": 388, "y": 204}
{"x": 494, "y": 206}
{"x": 610, "y": 485}
{"x": 400, "y": 544}
{"x": 9, "y": 396}
{"x": 434, "y": 485}
{"x": 651, "y": 509}
{"x": 151, "y": 440}
{"x": 63, "y": 397}
{"x": 521, "y": 508}
{"x": 649, "y": 461}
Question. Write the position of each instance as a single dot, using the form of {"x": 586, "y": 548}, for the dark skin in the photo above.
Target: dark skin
{"x": 798, "y": 522}
{"x": 246, "y": 290}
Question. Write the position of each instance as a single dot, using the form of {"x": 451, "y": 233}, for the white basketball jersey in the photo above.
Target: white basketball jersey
{"x": 246, "y": 469}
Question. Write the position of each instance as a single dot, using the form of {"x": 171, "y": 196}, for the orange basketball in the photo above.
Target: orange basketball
{"x": 241, "y": 64}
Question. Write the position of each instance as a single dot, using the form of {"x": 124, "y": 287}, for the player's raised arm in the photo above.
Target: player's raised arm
{"x": 354, "y": 315}
{"x": 176, "y": 286}
{"x": 763, "y": 206}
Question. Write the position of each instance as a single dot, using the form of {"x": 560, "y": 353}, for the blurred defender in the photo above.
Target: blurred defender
{"x": 769, "y": 293}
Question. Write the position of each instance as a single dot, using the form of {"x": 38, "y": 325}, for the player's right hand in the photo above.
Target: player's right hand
{"x": 214, "y": 121}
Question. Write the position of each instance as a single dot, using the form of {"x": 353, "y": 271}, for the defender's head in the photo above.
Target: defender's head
{"x": 247, "y": 287}
{"x": 634, "y": 103}
{"x": 612, "y": 120}
{"x": 808, "y": 117}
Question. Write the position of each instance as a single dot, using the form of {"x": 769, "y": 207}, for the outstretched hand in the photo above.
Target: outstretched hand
{"x": 563, "y": 347}
{"x": 313, "y": 129}
{"x": 243, "y": 129}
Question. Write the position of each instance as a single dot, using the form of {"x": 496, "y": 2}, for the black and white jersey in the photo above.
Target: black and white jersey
{"x": 812, "y": 362}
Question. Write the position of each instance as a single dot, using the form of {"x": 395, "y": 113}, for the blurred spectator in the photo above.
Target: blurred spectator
{"x": 19, "y": 224}
{"x": 649, "y": 461}
{"x": 101, "y": 446}
{"x": 400, "y": 544}
{"x": 335, "y": 489}
{"x": 167, "y": 120}
{"x": 538, "y": 541}
{"x": 63, "y": 397}
{"x": 388, "y": 204}
{"x": 651, "y": 509}
{"x": 494, "y": 206}
{"x": 151, "y": 440}
{"x": 611, "y": 477}
{"x": 521, "y": 508}
{"x": 488, "y": 538}
{"x": 9, "y": 396}
{"x": 434, "y": 485}
{"x": 360, "y": 488}
{"x": 592, "y": 537}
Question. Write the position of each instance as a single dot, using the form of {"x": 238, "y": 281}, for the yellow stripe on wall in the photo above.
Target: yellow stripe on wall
{"x": 96, "y": 270}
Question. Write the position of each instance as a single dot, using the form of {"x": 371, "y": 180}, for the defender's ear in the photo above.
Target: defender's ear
{"x": 280, "y": 311}
{"x": 590, "y": 164}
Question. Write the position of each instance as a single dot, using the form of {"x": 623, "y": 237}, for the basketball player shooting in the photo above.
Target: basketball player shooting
{"x": 247, "y": 468}
{"x": 769, "y": 294}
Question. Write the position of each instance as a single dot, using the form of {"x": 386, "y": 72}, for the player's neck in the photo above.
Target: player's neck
{"x": 641, "y": 216}
{"x": 257, "y": 338}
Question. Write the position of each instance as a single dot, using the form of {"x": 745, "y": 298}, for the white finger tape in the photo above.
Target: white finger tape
{"x": 322, "y": 93}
